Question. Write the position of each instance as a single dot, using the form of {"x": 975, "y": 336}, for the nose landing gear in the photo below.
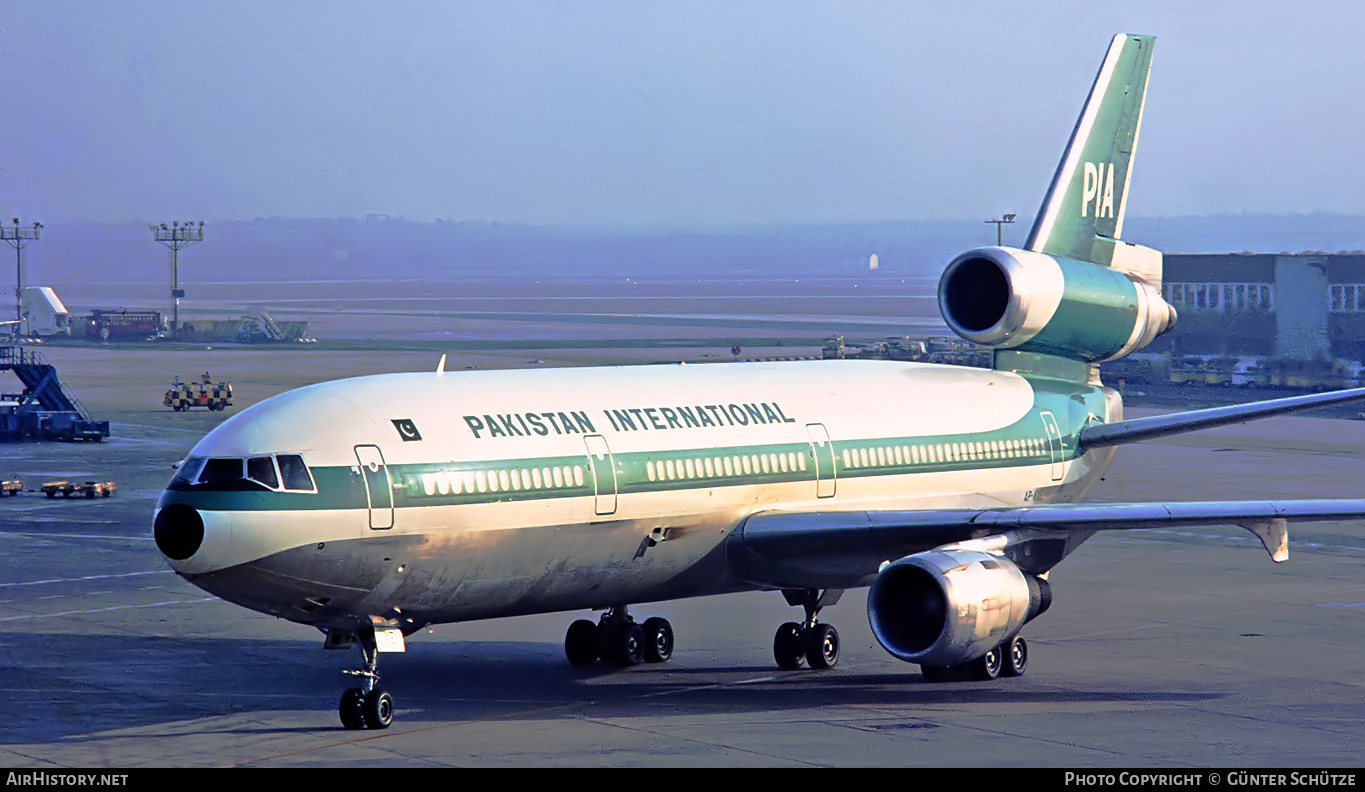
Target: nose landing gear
{"x": 368, "y": 706}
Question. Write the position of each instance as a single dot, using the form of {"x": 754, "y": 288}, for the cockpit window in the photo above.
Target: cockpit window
{"x": 219, "y": 472}
{"x": 295, "y": 473}
{"x": 233, "y": 474}
{"x": 189, "y": 470}
{"x": 262, "y": 469}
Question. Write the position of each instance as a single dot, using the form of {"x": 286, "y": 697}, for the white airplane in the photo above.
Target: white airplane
{"x": 374, "y": 506}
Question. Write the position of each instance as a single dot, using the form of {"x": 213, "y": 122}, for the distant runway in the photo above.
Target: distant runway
{"x": 471, "y": 314}
{"x": 1167, "y": 649}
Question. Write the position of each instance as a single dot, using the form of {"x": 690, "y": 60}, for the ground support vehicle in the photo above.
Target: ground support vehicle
{"x": 212, "y": 395}
{"x": 89, "y": 488}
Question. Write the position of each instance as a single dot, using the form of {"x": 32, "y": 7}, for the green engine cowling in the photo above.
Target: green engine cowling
{"x": 1007, "y": 298}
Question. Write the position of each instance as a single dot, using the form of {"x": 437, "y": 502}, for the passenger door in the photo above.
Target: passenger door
{"x": 603, "y": 473}
{"x": 378, "y": 487}
{"x": 823, "y": 452}
{"x": 1054, "y": 444}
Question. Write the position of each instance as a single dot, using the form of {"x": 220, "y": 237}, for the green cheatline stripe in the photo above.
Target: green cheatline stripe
{"x": 539, "y": 478}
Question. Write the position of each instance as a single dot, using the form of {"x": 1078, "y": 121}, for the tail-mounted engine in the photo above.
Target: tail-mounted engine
{"x": 947, "y": 607}
{"x": 1018, "y": 299}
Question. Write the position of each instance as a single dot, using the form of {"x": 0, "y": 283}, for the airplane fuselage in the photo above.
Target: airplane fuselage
{"x": 468, "y": 495}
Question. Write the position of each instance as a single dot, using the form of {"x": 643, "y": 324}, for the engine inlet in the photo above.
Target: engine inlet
{"x": 975, "y": 293}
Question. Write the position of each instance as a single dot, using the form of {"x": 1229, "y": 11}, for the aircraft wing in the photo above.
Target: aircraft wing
{"x": 845, "y": 549}
{"x": 1134, "y": 429}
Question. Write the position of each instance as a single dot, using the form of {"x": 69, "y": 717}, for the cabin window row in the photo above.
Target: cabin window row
{"x": 881, "y": 456}
{"x": 718, "y": 466}
{"x": 461, "y": 482}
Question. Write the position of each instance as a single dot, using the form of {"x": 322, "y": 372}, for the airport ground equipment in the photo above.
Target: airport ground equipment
{"x": 45, "y": 313}
{"x": 11, "y": 487}
{"x": 45, "y": 409}
{"x": 88, "y": 488}
{"x": 107, "y": 325}
{"x": 205, "y": 393}
{"x": 933, "y": 349}
{"x": 260, "y": 326}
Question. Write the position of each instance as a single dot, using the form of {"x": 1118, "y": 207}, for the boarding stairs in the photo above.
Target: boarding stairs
{"x": 46, "y": 408}
{"x": 268, "y": 324}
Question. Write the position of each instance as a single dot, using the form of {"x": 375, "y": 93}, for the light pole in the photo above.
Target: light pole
{"x": 176, "y": 237}
{"x": 19, "y": 238}
{"x": 999, "y": 224}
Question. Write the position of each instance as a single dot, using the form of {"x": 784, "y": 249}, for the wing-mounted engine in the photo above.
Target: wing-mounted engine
{"x": 1007, "y": 298}
{"x": 947, "y": 607}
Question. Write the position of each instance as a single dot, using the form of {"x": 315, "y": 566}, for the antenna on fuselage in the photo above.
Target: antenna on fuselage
{"x": 441, "y": 367}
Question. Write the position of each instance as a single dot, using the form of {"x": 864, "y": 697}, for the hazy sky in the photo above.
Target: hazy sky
{"x": 643, "y": 111}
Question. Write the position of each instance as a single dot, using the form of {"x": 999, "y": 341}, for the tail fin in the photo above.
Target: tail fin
{"x": 1076, "y": 292}
{"x": 1082, "y": 215}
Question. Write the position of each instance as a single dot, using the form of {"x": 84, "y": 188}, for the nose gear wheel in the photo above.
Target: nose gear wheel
{"x": 370, "y": 706}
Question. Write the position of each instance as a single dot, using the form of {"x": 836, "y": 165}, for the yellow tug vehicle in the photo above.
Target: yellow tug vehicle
{"x": 205, "y": 393}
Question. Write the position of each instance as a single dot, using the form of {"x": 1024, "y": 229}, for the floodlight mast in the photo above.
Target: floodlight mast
{"x": 999, "y": 224}
{"x": 175, "y": 237}
{"x": 19, "y": 238}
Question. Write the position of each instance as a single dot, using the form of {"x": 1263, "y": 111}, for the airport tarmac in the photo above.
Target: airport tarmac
{"x": 1167, "y": 649}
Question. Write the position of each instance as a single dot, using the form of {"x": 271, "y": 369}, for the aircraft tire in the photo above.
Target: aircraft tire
{"x": 987, "y": 667}
{"x": 822, "y": 646}
{"x": 629, "y": 646}
{"x": 352, "y": 709}
{"x": 580, "y": 643}
{"x": 658, "y": 640}
{"x": 788, "y": 648}
{"x": 378, "y": 709}
{"x": 1015, "y": 657}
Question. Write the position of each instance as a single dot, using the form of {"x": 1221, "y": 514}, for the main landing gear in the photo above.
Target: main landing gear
{"x": 369, "y": 706}
{"x": 815, "y": 643}
{"x": 617, "y": 639}
{"x": 1008, "y": 659}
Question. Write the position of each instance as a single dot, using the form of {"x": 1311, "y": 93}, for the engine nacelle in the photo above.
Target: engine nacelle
{"x": 946, "y": 607}
{"x": 1018, "y": 299}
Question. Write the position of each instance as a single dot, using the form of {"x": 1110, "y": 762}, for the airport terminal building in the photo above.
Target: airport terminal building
{"x": 1304, "y": 306}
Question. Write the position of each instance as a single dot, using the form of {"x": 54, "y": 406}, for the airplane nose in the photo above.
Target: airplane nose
{"x": 179, "y": 531}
